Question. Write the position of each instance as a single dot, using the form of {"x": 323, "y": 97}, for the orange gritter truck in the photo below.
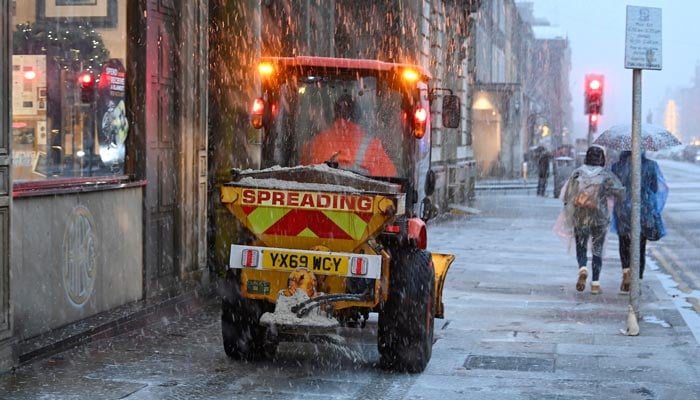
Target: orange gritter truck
{"x": 327, "y": 244}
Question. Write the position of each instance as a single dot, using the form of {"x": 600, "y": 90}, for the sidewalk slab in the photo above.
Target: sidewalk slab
{"x": 517, "y": 328}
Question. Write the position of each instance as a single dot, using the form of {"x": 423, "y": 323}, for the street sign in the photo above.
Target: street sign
{"x": 643, "y": 38}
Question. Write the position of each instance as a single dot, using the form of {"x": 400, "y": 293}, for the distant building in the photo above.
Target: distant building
{"x": 497, "y": 89}
{"x": 551, "y": 118}
{"x": 520, "y": 90}
{"x": 686, "y": 116}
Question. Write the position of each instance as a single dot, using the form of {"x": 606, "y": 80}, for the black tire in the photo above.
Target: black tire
{"x": 243, "y": 337}
{"x": 406, "y": 321}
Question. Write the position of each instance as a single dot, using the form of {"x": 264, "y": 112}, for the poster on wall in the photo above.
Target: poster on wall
{"x": 112, "y": 124}
{"x": 28, "y": 85}
{"x": 98, "y": 13}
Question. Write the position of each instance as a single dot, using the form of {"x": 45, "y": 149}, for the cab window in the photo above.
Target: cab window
{"x": 307, "y": 109}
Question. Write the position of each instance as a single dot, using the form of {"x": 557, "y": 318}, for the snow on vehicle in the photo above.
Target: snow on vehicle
{"x": 327, "y": 245}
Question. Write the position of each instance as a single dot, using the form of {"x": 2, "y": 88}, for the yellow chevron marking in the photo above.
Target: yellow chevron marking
{"x": 264, "y": 217}
{"x": 307, "y": 233}
{"x": 351, "y": 223}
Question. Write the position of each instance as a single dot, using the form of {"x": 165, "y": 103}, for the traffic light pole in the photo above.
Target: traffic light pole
{"x": 89, "y": 134}
{"x": 86, "y": 82}
{"x": 590, "y": 132}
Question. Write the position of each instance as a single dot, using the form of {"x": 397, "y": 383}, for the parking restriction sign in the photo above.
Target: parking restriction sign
{"x": 643, "y": 38}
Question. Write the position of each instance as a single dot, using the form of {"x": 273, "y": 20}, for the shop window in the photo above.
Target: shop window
{"x": 69, "y": 118}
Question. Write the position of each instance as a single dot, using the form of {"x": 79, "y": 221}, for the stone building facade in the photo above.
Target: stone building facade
{"x": 520, "y": 88}
{"x": 550, "y": 118}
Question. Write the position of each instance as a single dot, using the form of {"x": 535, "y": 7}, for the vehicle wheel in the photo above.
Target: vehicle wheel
{"x": 243, "y": 337}
{"x": 405, "y": 329}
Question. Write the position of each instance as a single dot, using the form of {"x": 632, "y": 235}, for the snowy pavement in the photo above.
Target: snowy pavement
{"x": 514, "y": 328}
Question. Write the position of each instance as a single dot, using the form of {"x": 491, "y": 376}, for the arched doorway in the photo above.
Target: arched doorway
{"x": 486, "y": 131}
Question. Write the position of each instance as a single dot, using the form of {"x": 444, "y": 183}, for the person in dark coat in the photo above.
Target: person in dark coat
{"x": 543, "y": 171}
{"x": 654, "y": 192}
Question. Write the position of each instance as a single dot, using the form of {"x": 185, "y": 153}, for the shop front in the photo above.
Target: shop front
{"x": 105, "y": 162}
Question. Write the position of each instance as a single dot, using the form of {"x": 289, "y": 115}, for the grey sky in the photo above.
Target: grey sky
{"x": 596, "y": 32}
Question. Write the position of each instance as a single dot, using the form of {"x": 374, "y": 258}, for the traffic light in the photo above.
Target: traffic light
{"x": 593, "y": 122}
{"x": 86, "y": 82}
{"x": 593, "y": 94}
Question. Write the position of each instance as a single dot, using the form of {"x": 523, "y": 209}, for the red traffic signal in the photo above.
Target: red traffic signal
{"x": 86, "y": 82}
{"x": 593, "y": 122}
{"x": 593, "y": 94}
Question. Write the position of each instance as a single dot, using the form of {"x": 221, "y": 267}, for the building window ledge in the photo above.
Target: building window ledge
{"x": 73, "y": 185}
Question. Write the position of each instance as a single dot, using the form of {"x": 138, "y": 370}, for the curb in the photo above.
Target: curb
{"x": 506, "y": 186}
{"x": 112, "y": 323}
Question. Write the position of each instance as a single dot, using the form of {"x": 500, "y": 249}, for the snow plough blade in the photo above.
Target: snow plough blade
{"x": 441, "y": 263}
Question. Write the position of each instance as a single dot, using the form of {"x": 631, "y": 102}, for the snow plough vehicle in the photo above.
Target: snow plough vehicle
{"x": 324, "y": 245}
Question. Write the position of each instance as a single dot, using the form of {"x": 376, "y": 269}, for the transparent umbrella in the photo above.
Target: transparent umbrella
{"x": 653, "y": 138}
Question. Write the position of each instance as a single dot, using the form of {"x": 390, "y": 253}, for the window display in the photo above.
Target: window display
{"x": 68, "y": 89}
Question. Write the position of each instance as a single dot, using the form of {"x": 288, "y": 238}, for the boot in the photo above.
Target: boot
{"x": 625, "y": 285}
{"x": 595, "y": 287}
{"x": 582, "y": 276}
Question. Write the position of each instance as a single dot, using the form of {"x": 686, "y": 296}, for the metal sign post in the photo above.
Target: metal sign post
{"x": 642, "y": 51}
{"x": 635, "y": 179}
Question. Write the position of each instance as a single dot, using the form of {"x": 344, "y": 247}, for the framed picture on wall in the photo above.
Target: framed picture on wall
{"x": 40, "y": 164}
{"x": 99, "y": 13}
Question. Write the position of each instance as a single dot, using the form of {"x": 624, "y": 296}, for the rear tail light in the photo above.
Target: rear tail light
{"x": 420, "y": 119}
{"x": 392, "y": 229}
{"x": 249, "y": 258}
{"x": 358, "y": 265}
{"x": 257, "y": 113}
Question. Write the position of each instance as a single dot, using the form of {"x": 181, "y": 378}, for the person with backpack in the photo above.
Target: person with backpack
{"x": 653, "y": 195}
{"x": 588, "y": 196}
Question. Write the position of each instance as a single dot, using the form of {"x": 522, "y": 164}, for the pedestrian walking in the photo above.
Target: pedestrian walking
{"x": 543, "y": 161}
{"x": 653, "y": 195}
{"x": 588, "y": 195}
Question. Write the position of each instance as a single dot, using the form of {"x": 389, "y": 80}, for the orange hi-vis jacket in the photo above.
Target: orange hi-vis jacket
{"x": 354, "y": 151}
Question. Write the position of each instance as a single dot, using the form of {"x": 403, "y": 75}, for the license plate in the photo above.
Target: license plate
{"x": 330, "y": 264}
